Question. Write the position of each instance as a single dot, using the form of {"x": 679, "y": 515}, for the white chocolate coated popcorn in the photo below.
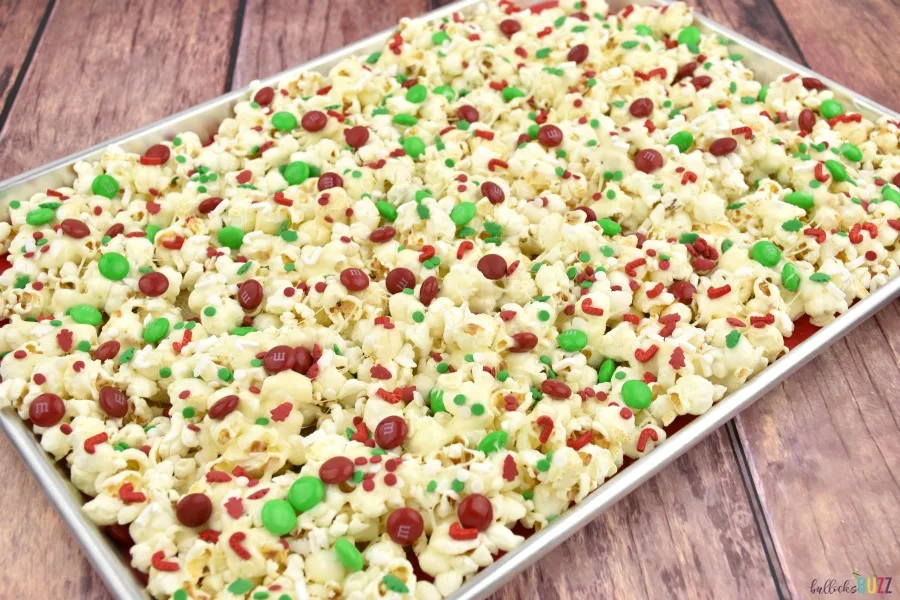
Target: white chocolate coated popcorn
{"x": 386, "y": 320}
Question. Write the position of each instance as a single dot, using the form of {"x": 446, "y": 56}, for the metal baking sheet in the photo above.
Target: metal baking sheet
{"x": 205, "y": 117}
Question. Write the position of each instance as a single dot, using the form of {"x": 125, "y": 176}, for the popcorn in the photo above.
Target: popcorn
{"x": 444, "y": 290}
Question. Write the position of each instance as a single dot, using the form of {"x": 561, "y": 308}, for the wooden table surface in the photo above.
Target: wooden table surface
{"x": 802, "y": 486}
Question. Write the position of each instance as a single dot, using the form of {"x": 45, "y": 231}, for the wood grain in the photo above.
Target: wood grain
{"x": 822, "y": 450}
{"x": 854, "y": 43}
{"x": 101, "y": 69}
{"x": 273, "y": 38}
{"x": 687, "y": 533}
{"x": 105, "y": 67}
{"x": 19, "y": 23}
{"x": 804, "y": 486}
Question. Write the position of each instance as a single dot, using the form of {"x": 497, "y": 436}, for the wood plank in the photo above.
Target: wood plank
{"x": 101, "y": 69}
{"x": 822, "y": 450}
{"x": 854, "y": 43}
{"x": 687, "y": 533}
{"x": 42, "y": 560}
{"x": 20, "y": 21}
{"x": 274, "y": 38}
{"x": 825, "y": 452}
{"x": 106, "y": 67}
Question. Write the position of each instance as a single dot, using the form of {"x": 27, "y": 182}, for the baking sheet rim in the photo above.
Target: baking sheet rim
{"x": 117, "y": 574}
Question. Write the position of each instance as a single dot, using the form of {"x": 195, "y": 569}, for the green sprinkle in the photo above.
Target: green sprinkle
{"x": 180, "y": 594}
{"x": 418, "y": 316}
{"x": 126, "y": 356}
{"x": 793, "y": 225}
{"x": 629, "y": 44}
{"x": 477, "y": 409}
{"x": 439, "y": 37}
{"x": 732, "y": 339}
{"x": 820, "y": 277}
{"x": 225, "y": 374}
{"x": 457, "y": 486}
{"x": 188, "y": 412}
{"x": 544, "y": 315}
{"x": 394, "y": 584}
{"x": 763, "y": 93}
{"x": 84, "y": 346}
{"x": 209, "y": 311}
{"x": 688, "y": 238}
{"x": 165, "y": 372}
{"x": 432, "y": 486}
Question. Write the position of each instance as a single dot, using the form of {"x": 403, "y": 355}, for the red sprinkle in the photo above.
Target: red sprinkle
{"x": 235, "y": 543}
{"x": 92, "y": 442}
{"x": 158, "y": 562}
{"x": 510, "y": 469}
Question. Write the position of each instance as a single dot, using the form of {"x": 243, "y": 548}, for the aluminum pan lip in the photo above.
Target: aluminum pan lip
{"x": 107, "y": 559}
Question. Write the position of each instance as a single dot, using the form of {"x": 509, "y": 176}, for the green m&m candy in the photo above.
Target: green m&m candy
{"x": 802, "y": 200}
{"x": 156, "y": 330}
{"x": 609, "y": 226}
{"x": 40, "y": 216}
{"x": 446, "y": 91}
{"x": 837, "y": 170}
{"x": 284, "y": 121}
{"x": 636, "y": 394}
{"x": 296, "y": 172}
{"x": 493, "y": 442}
{"x": 416, "y": 94}
{"x": 790, "y": 279}
{"x": 462, "y": 213}
{"x": 572, "y": 340}
{"x": 851, "y": 152}
{"x": 350, "y": 557}
{"x": 689, "y": 36}
{"x": 683, "y": 140}
{"x": 765, "y": 253}
{"x": 414, "y": 147}
{"x": 890, "y": 194}
{"x": 831, "y": 109}
{"x": 231, "y": 237}
{"x": 105, "y": 185}
{"x": 306, "y": 493}
{"x": 84, "y": 314}
{"x": 439, "y": 37}
{"x": 386, "y": 210}
{"x": 113, "y": 266}
{"x": 278, "y": 517}
{"x": 605, "y": 373}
